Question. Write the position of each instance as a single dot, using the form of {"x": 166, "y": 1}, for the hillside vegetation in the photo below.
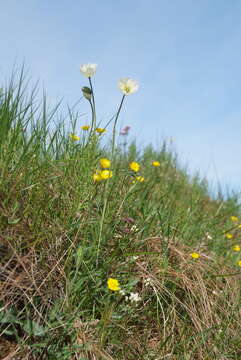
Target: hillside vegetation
{"x": 106, "y": 251}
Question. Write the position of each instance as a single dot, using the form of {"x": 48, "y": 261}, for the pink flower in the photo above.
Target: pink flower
{"x": 125, "y": 130}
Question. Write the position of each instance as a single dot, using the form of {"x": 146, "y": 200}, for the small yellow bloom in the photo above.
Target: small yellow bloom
{"x": 113, "y": 284}
{"x": 85, "y": 127}
{"x": 236, "y": 248}
{"x": 229, "y": 236}
{"x": 138, "y": 178}
{"x": 156, "y": 163}
{"x": 234, "y": 218}
{"x": 97, "y": 177}
{"x": 134, "y": 166}
{"x": 105, "y": 163}
{"x": 106, "y": 174}
{"x": 195, "y": 255}
{"x": 100, "y": 130}
{"x": 239, "y": 263}
{"x": 239, "y": 226}
{"x": 74, "y": 137}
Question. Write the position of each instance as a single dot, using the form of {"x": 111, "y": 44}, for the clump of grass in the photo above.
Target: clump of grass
{"x": 109, "y": 253}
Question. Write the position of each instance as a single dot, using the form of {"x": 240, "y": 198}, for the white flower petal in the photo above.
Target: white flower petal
{"x": 88, "y": 70}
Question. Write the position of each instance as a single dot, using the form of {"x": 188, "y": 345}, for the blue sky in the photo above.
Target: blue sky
{"x": 185, "y": 54}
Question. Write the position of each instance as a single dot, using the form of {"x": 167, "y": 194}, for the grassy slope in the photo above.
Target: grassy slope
{"x": 58, "y": 248}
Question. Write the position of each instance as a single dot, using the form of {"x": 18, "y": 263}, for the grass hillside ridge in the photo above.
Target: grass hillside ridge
{"x": 107, "y": 251}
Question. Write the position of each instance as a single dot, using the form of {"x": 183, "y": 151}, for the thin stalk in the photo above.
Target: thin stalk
{"x": 93, "y": 125}
{"x": 114, "y": 127}
{"x": 107, "y": 182}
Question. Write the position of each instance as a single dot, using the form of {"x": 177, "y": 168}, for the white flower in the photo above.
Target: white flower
{"x": 147, "y": 281}
{"x": 134, "y": 297}
{"x": 88, "y": 70}
{"x": 128, "y": 86}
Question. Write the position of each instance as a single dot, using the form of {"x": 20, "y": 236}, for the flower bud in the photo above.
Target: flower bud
{"x": 87, "y": 92}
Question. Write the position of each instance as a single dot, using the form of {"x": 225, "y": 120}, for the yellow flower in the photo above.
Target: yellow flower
{"x": 88, "y": 70}
{"x": 74, "y": 137}
{"x": 239, "y": 263}
{"x": 97, "y": 177}
{"x": 85, "y": 127}
{"x": 106, "y": 174}
{"x": 229, "y": 236}
{"x": 155, "y": 163}
{"x": 234, "y": 218}
{"x": 239, "y": 226}
{"x": 236, "y": 248}
{"x": 195, "y": 255}
{"x": 105, "y": 163}
{"x": 100, "y": 130}
{"x": 113, "y": 284}
{"x": 134, "y": 166}
{"x": 138, "y": 178}
{"x": 128, "y": 86}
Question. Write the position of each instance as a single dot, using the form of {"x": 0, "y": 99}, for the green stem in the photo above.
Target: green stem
{"x": 93, "y": 125}
{"x": 114, "y": 127}
{"x": 107, "y": 182}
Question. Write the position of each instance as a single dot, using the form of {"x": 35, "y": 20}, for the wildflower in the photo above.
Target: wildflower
{"x": 100, "y": 130}
{"x": 134, "y": 166}
{"x": 128, "y": 86}
{"x": 239, "y": 263}
{"x": 125, "y": 130}
{"x": 229, "y": 236}
{"x": 148, "y": 281}
{"x": 138, "y": 178}
{"x": 234, "y": 218}
{"x": 236, "y": 248}
{"x": 195, "y": 255}
{"x": 106, "y": 174}
{"x": 85, "y": 127}
{"x": 105, "y": 163}
{"x": 87, "y": 92}
{"x": 134, "y": 297}
{"x": 122, "y": 292}
{"x": 156, "y": 163}
{"x": 97, "y": 177}
{"x": 113, "y": 284}
{"x": 239, "y": 226}
{"x": 74, "y": 137}
{"x": 88, "y": 70}
{"x": 208, "y": 236}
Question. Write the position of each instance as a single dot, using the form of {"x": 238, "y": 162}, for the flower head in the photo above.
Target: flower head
{"x": 88, "y": 70}
{"x": 105, "y": 163}
{"x": 195, "y": 255}
{"x": 85, "y": 127}
{"x": 125, "y": 130}
{"x": 236, "y": 248}
{"x": 128, "y": 86}
{"x": 134, "y": 166}
{"x": 229, "y": 236}
{"x": 234, "y": 218}
{"x": 134, "y": 297}
{"x": 100, "y": 130}
{"x": 239, "y": 263}
{"x": 97, "y": 176}
{"x": 113, "y": 284}
{"x": 74, "y": 137}
{"x": 139, "y": 179}
{"x": 106, "y": 174}
{"x": 156, "y": 163}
